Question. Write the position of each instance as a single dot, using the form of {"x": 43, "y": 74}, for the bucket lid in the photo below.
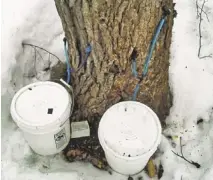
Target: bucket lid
{"x": 130, "y": 129}
{"x": 40, "y": 104}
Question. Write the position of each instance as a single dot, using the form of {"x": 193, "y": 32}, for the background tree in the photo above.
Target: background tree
{"x": 114, "y": 28}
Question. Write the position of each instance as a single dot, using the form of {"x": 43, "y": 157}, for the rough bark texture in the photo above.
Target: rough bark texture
{"x": 114, "y": 28}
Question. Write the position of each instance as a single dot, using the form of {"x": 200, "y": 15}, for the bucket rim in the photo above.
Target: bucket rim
{"x": 152, "y": 148}
{"x": 27, "y": 125}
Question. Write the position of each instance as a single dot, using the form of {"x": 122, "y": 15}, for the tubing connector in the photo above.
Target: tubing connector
{"x": 166, "y": 10}
{"x": 65, "y": 39}
{"x": 134, "y": 54}
{"x": 88, "y": 48}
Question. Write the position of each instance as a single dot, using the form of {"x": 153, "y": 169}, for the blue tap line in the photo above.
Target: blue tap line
{"x": 149, "y": 56}
{"x": 152, "y": 46}
{"x": 68, "y": 64}
{"x": 134, "y": 68}
{"x": 87, "y": 51}
{"x": 135, "y": 93}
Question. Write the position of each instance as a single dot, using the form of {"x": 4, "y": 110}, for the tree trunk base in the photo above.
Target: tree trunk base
{"x": 114, "y": 29}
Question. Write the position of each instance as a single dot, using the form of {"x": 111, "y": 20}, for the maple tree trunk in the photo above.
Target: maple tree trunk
{"x": 114, "y": 28}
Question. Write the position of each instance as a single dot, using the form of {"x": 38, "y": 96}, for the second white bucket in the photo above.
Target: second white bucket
{"x": 129, "y": 133}
{"x": 42, "y": 111}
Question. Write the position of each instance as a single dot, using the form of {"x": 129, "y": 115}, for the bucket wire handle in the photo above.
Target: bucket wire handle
{"x": 71, "y": 91}
{"x": 61, "y": 81}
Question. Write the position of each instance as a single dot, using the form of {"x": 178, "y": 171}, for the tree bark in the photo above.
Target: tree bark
{"x": 114, "y": 28}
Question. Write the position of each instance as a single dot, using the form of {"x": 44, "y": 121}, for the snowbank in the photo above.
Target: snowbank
{"x": 191, "y": 80}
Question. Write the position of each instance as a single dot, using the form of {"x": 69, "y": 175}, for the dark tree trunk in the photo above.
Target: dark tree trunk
{"x": 114, "y": 28}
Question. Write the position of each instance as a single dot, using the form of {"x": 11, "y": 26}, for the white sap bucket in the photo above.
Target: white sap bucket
{"x": 42, "y": 111}
{"x": 129, "y": 133}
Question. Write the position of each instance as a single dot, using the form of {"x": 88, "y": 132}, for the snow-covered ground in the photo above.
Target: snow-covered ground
{"x": 191, "y": 80}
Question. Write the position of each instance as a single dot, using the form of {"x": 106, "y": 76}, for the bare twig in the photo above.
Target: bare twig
{"x": 207, "y": 17}
{"x": 32, "y": 45}
{"x": 197, "y": 7}
{"x": 33, "y": 74}
{"x": 35, "y": 47}
{"x": 181, "y": 157}
{"x": 209, "y": 56}
{"x": 49, "y": 62}
{"x": 35, "y": 63}
{"x": 39, "y": 54}
{"x": 49, "y": 59}
{"x": 197, "y": 165}
{"x": 181, "y": 146}
{"x": 200, "y": 11}
{"x": 200, "y": 32}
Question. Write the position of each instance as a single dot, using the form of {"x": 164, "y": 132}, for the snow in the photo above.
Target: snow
{"x": 191, "y": 81}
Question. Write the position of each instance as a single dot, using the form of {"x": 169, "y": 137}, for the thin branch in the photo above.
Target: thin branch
{"x": 35, "y": 62}
{"x": 181, "y": 157}
{"x": 49, "y": 61}
{"x": 200, "y": 32}
{"x": 200, "y": 11}
{"x": 34, "y": 73}
{"x": 199, "y": 8}
{"x": 35, "y": 47}
{"x": 47, "y": 68}
{"x": 209, "y": 56}
{"x": 27, "y": 44}
{"x": 181, "y": 146}
{"x": 39, "y": 54}
{"x": 207, "y": 17}
{"x": 35, "y": 55}
{"x": 197, "y": 165}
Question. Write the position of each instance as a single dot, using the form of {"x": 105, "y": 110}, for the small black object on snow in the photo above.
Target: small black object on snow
{"x": 199, "y": 121}
{"x": 160, "y": 171}
{"x": 47, "y": 69}
{"x": 50, "y": 111}
{"x": 169, "y": 137}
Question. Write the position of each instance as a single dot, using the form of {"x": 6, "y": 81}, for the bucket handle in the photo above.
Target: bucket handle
{"x": 70, "y": 90}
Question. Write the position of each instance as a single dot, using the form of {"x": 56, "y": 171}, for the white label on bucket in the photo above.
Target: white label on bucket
{"x": 80, "y": 129}
{"x": 60, "y": 138}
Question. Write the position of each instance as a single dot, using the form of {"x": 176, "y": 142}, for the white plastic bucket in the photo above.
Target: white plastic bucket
{"x": 42, "y": 111}
{"x": 129, "y": 133}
